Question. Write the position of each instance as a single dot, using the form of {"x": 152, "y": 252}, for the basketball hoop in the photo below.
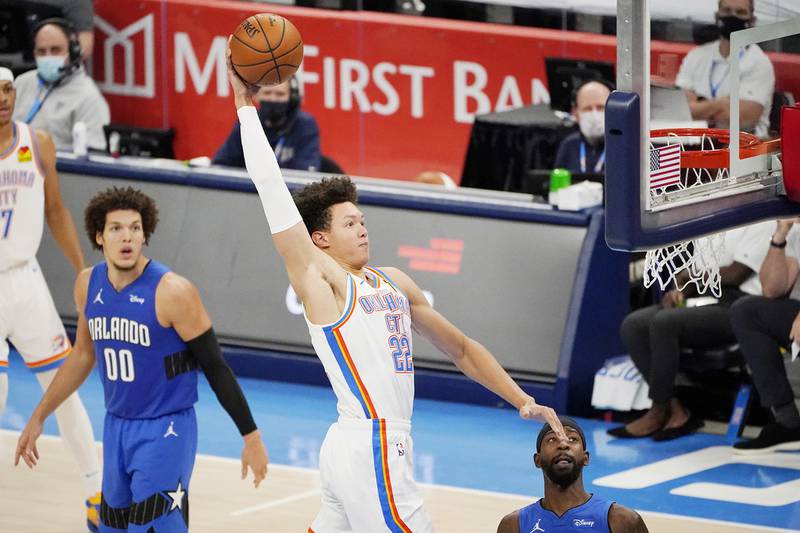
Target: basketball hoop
{"x": 676, "y": 174}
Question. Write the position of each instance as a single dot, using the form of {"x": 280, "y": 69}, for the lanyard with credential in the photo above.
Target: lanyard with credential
{"x": 598, "y": 167}
{"x": 279, "y": 148}
{"x": 714, "y": 89}
{"x": 40, "y": 98}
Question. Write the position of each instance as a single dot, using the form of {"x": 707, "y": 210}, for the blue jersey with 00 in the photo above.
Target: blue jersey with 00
{"x": 591, "y": 517}
{"x": 145, "y": 368}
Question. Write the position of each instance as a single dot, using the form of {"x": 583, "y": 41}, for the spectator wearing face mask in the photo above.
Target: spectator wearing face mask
{"x": 584, "y": 151}
{"x": 292, "y": 133}
{"x": 58, "y": 93}
{"x": 705, "y": 74}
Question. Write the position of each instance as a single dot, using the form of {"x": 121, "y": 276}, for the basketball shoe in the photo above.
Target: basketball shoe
{"x": 93, "y": 513}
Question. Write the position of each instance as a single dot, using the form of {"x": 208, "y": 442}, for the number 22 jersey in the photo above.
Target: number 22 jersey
{"x": 146, "y": 369}
{"x": 367, "y": 353}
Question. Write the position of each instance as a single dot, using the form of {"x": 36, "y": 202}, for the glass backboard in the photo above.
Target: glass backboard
{"x": 680, "y": 77}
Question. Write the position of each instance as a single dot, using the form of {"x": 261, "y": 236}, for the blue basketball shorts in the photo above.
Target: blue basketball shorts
{"x": 147, "y": 466}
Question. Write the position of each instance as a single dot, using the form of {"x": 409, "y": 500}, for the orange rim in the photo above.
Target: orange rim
{"x": 749, "y": 146}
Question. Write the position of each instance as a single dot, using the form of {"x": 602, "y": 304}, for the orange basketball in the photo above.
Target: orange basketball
{"x": 266, "y": 49}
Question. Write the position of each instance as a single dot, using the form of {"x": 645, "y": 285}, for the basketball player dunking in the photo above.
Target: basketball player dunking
{"x": 566, "y": 505}
{"x": 360, "y": 321}
{"x": 29, "y": 193}
{"x": 149, "y": 331}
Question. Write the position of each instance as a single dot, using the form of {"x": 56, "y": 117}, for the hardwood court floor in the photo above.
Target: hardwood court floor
{"x": 50, "y": 499}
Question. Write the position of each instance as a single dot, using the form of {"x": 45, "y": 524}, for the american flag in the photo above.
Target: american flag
{"x": 665, "y": 166}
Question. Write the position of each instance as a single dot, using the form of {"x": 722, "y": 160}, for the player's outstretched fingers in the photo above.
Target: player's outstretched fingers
{"x": 555, "y": 423}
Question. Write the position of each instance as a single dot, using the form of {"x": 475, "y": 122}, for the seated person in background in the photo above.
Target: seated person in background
{"x": 566, "y": 505}
{"x": 584, "y": 150}
{"x": 79, "y": 13}
{"x": 292, "y": 133}
{"x": 654, "y": 335}
{"x": 764, "y": 324}
{"x": 705, "y": 74}
{"x": 58, "y": 93}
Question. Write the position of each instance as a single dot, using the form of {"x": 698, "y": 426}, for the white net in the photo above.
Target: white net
{"x": 678, "y": 265}
{"x": 695, "y": 261}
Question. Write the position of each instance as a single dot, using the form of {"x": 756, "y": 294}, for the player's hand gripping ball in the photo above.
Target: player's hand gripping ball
{"x": 266, "y": 49}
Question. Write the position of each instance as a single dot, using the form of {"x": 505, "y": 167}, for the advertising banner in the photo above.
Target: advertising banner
{"x": 393, "y": 95}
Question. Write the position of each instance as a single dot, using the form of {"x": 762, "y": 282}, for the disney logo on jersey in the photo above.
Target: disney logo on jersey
{"x": 115, "y": 328}
{"x": 136, "y": 300}
{"x": 578, "y": 522}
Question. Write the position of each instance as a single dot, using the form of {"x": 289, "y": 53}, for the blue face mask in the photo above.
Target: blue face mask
{"x": 50, "y": 68}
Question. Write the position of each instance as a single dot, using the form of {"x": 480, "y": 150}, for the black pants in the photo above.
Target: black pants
{"x": 762, "y": 326}
{"x": 654, "y": 335}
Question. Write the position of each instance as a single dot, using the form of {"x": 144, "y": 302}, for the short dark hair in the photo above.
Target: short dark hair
{"x": 566, "y": 422}
{"x": 314, "y": 201}
{"x": 116, "y": 199}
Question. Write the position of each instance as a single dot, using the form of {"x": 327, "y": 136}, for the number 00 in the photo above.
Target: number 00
{"x": 119, "y": 365}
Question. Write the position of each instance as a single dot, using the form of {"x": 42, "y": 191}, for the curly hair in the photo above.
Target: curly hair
{"x": 314, "y": 201}
{"x": 116, "y": 199}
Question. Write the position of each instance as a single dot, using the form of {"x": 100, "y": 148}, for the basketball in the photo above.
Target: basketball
{"x": 266, "y": 49}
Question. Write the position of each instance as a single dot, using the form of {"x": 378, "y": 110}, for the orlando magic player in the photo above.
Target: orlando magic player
{"x": 566, "y": 505}
{"x": 360, "y": 321}
{"x": 29, "y": 193}
{"x": 149, "y": 332}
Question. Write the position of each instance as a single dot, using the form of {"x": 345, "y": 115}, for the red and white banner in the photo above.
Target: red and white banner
{"x": 393, "y": 95}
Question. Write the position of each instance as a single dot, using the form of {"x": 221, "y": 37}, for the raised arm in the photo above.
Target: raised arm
{"x": 69, "y": 377}
{"x": 57, "y": 214}
{"x": 179, "y": 306}
{"x": 470, "y": 356}
{"x": 289, "y": 234}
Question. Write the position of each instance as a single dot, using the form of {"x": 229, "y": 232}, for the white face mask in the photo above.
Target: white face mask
{"x": 592, "y": 124}
{"x": 50, "y": 68}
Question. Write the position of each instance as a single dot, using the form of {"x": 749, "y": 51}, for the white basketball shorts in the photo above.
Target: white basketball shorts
{"x": 28, "y": 318}
{"x": 366, "y": 469}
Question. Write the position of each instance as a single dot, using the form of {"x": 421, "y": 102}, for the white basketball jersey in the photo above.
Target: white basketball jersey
{"x": 21, "y": 199}
{"x": 367, "y": 353}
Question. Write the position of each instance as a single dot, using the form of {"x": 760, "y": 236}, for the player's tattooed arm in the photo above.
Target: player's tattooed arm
{"x": 509, "y": 523}
{"x": 58, "y": 216}
{"x": 624, "y": 520}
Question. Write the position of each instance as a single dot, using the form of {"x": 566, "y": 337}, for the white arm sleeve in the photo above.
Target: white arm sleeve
{"x": 263, "y": 169}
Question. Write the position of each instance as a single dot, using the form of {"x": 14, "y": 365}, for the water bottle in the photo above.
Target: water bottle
{"x": 79, "y": 140}
{"x": 559, "y": 178}
{"x": 113, "y": 144}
